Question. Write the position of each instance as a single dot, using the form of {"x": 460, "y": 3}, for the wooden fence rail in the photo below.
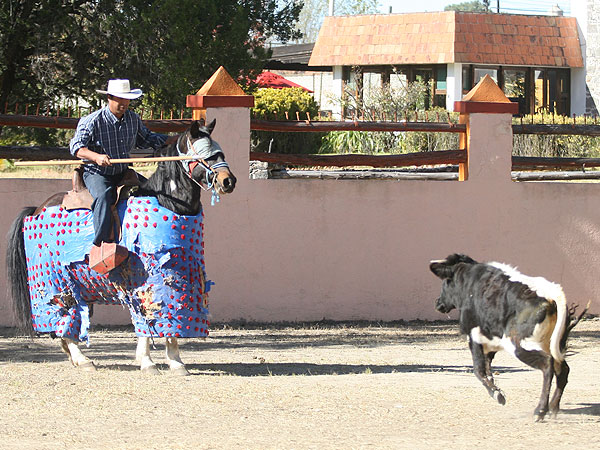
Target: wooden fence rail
{"x": 355, "y": 160}
{"x": 449, "y": 157}
{"x": 178, "y": 125}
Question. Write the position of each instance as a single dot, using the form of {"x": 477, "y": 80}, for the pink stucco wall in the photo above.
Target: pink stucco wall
{"x": 296, "y": 250}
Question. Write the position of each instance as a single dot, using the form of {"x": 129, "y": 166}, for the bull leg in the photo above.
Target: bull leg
{"x": 562, "y": 375}
{"x": 142, "y": 356}
{"x": 482, "y": 368}
{"x": 77, "y": 358}
{"x": 545, "y": 363}
{"x": 174, "y": 359}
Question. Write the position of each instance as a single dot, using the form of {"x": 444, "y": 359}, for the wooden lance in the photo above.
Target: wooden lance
{"x": 113, "y": 161}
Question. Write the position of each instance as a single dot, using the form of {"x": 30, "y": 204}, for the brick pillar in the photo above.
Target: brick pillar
{"x": 488, "y": 141}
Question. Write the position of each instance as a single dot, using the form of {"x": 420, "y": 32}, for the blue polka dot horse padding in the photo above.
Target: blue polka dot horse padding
{"x": 162, "y": 282}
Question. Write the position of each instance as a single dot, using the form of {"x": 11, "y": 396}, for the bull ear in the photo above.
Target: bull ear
{"x": 211, "y": 126}
{"x": 441, "y": 269}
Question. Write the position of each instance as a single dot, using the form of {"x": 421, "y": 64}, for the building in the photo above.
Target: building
{"x": 549, "y": 63}
{"x": 587, "y": 13}
{"x": 534, "y": 59}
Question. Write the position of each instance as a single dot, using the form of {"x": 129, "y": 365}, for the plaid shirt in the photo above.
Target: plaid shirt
{"x": 102, "y": 132}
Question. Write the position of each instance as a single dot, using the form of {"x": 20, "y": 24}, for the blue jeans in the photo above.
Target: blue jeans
{"x": 103, "y": 189}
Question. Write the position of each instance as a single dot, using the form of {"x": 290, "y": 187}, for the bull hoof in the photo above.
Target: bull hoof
{"x": 538, "y": 416}
{"x": 180, "y": 371}
{"x": 151, "y": 370}
{"x": 499, "y": 397}
{"x": 87, "y": 366}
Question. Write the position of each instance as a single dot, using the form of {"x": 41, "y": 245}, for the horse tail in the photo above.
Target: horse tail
{"x": 16, "y": 268}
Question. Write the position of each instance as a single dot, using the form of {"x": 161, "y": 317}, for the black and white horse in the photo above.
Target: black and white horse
{"x": 162, "y": 282}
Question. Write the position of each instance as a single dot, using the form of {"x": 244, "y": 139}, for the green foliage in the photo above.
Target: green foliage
{"x": 554, "y": 145}
{"x": 56, "y": 51}
{"x": 385, "y": 103}
{"x": 470, "y": 6}
{"x": 273, "y": 104}
{"x": 45, "y": 137}
{"x": 314, "y": 11}
{"x": 369, "y": 142}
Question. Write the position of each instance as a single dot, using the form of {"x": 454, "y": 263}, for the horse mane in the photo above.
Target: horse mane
{"x": 172, "y": 187}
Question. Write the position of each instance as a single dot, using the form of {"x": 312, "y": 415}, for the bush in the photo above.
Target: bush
{"x": 554, "y": 145}
{"x": 273, "y": 104}
{"x": 370, "y": 142}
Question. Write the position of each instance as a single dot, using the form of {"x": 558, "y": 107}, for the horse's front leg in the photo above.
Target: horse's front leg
{"x": 142, "y": 356}
{"x": 174, "y": 359}
{"x": 77, "y": 358}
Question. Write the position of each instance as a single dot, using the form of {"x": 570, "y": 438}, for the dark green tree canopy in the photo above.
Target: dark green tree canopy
{"x": 57, "y": 49}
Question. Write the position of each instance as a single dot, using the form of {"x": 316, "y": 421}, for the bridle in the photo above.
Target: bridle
{"x": 198, "y": 155}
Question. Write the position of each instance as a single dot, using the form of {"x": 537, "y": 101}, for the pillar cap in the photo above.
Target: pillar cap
{"x": 486, "y": 97}
{"x": 220, "y": 91}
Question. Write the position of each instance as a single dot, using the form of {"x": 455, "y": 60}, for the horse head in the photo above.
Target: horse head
{"x": 208, "y": 168}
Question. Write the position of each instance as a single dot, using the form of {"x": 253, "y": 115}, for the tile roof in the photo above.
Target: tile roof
{"x": 448, "y": 37}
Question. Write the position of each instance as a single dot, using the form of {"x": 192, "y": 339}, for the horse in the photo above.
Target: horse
{"x": 162, "y": 280}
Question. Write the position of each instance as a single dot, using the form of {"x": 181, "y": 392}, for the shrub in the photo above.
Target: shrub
{"x": 554, "y": 145}
{"x": 273, "y": 104}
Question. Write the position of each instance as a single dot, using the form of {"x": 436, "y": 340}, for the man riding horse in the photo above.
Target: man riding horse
{"x": 110, "y": 132}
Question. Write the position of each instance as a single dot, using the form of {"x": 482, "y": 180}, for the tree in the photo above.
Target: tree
{"x": 471, "y": 6}
{"x": 314, "y": 11}
{"x": 53, "y": 50}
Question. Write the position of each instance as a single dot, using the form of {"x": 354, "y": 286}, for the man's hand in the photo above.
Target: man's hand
{"x": 97, "y": 158}
{"x": 102, "y": 160}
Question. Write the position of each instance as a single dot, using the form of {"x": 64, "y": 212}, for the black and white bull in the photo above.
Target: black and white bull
{"x": 502, "y": 309}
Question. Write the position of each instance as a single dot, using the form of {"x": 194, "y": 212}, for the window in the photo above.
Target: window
{"x": 552, "y": 91}
{"x": 515, "y": 87}
{"x": 481, "y": 72}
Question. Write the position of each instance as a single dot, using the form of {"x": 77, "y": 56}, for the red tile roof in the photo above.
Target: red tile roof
{"x": 448, "y": 37}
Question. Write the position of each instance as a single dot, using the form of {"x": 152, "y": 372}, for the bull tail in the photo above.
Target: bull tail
{"x": 567, "y": 319}
{"x": 16, "y": 268}
{"x": 573, "y": 320}
{"x": 557, "y": 349}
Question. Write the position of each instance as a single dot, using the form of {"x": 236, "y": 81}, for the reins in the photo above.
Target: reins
{"x": 211, "y": 173}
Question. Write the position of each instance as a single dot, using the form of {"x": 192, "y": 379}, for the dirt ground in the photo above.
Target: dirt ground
{"x": 326, "y": 386}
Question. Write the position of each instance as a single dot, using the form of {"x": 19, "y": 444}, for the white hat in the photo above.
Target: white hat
{"x": 121, "y": 89}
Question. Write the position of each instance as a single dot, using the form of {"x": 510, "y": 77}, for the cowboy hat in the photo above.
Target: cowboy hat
{"x": 121, "y": 89}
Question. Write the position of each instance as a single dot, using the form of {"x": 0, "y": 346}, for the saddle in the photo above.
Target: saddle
{"x": 109, "y": 255}
{"x": 80, "y": 198}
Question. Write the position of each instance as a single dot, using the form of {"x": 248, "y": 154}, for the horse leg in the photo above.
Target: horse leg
{"x": 174, "y": 359}
{"x": 77, "y": 358}
{"x": 142, "y": 356}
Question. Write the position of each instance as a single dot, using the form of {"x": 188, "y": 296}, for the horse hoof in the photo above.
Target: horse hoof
{"x": 151, "y": 370}
{"x": 87, "y": 366}
{"x": 180, "y": 371}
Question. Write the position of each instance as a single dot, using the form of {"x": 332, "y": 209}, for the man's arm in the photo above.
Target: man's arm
{"x": 90, "y": 155}
{"x": 79, "y": 142}
{"x": 147, "y": 138}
